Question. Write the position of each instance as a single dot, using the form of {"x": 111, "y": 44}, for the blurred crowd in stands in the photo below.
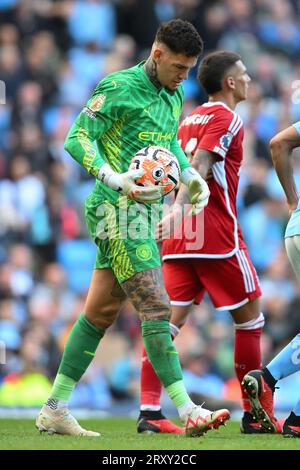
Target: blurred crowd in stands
{"x": 52, "y": 55}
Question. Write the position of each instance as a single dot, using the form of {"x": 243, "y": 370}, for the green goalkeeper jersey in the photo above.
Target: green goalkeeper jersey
{"x": 125, "y": 113}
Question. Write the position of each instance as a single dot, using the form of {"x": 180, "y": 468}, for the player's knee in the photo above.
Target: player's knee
{"x": 179, "y": 323}
{"x": 118, "y": 293}
{"x": 104, "y": 318}
{"x": 253, "y": 324}
{"x": 158, "y": 312}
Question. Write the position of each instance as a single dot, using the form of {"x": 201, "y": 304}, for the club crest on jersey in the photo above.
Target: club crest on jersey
{"x": 97, "y": 103}
{"x": 225, "y": 141}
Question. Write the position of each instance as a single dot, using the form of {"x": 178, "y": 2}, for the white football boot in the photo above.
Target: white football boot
{"x": 199, "y": 420}
{"x": 60, "y": 421}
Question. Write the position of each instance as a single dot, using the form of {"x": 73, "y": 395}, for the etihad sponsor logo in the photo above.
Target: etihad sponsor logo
{"x": 197, "y": 119}
{"x": 156, "y": 136}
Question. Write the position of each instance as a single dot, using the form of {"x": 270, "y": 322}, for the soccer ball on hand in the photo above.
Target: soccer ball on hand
{"x": 161, "y": 168}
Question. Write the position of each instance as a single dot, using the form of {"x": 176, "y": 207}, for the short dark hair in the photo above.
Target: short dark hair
{"x": 213, "y": 68}
{"x": 181, "y": 37}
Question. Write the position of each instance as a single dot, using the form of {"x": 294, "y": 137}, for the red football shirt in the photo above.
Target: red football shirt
{"x": 214, "y": 127}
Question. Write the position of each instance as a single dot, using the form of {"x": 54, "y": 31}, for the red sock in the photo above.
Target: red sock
{"x": 150, "y": 384}
{"x": 247, "y": 356}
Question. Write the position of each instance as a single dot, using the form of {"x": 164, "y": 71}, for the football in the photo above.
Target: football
{"x": 161, "y": 168}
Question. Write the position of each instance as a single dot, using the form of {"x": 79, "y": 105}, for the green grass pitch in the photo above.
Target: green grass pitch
{"x": 120, "y": 434}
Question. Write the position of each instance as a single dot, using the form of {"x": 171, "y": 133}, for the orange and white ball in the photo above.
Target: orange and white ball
{"x": 161, "y": 168}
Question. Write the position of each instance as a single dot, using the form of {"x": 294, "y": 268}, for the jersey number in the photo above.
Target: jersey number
{"x": 190, "y": 146}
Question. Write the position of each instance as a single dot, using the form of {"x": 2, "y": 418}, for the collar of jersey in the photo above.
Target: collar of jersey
{"x": 216, "y": 103}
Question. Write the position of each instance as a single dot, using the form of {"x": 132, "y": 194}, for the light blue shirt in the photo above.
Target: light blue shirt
{"x": 293, "y": 227}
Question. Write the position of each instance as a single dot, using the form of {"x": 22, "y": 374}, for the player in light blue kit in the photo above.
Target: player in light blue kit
{"x": 260, "y": 384}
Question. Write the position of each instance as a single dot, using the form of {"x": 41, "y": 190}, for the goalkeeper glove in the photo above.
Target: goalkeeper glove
{"x": 198, "y": 189}
{"x": 125, "y": 184}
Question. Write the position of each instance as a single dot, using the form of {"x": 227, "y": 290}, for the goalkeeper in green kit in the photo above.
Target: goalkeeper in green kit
{"x": 129, "y": 110}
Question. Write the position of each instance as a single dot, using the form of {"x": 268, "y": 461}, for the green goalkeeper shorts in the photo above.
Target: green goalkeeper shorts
{"x": 123, "y": 232}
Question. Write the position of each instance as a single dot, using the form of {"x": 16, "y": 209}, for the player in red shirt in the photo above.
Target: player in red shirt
{"x": 215, "y": 260}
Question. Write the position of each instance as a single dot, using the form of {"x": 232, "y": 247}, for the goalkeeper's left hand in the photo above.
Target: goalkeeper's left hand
{"x": 198, "y": 189}
{"x": 125, "y": 183}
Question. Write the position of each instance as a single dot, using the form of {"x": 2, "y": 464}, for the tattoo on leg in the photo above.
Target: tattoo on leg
{"x": 147, "y": 293}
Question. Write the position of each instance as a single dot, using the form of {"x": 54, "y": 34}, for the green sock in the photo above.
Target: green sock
{"x": 80, "y": 349}
{"x": 178, "y": 394}
{"x": 62, "y": 387}
{"x": 164, "y": 359}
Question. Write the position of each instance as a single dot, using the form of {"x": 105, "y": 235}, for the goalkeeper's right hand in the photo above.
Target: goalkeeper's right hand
{"x": 199, "y": 194}
{"x": 125, "y": 184}
{"x": 198, "y": 189}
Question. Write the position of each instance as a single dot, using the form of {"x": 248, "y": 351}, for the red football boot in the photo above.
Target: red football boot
{"x": 291, "y": 426}
{"x": 261, "y": 398}
{"x": 150, "y": 422}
